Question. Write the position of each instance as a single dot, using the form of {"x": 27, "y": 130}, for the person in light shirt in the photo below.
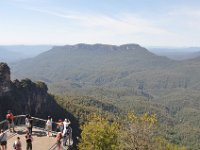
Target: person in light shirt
{"x": 17, "y": 144}
{"x": 49, "y": 126}
{"x": 66, "y": 124}
{"x": 3, "y": 140}
{"x": 66, "y": 131}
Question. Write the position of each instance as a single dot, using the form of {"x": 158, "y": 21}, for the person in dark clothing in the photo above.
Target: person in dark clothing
{"x": 66, "y": 135}
{"x": 29, "y": 140}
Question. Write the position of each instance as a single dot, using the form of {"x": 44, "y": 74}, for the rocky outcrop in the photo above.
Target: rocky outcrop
{"x": 27, "y": 97}
{"x": 5, "y": 83}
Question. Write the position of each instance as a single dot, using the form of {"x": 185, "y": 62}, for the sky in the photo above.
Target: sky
{"x": 61, "y": 22}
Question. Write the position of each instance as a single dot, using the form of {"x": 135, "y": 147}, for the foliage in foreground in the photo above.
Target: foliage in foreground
{"x": 133, "y": 133}
{"x": 140, "y": 133}
{"x": 99, "y": 134}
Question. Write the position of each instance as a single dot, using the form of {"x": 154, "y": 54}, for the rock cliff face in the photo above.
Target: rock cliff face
{"x": 27, "y": 97}
{"x": 5, "y": 83}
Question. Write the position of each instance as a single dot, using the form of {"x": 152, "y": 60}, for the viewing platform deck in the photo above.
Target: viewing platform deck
{"x": 40, "y": 139}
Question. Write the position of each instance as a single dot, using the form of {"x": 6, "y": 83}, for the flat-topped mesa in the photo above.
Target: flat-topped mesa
{"x": 5, "y": 82}
{"x": 102, "y": 46}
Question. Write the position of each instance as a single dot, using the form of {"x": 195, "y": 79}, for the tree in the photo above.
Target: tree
{"x": 132, "y": 133}
{"x": 162, "y": 144}
{"x": 140, "y": 133}
{"x": 137, "y": 131}
{"x": 99, "y": 134}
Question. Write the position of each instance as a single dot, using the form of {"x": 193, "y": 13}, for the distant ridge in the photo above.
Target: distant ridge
{"x": 96, "y": 63}
{"x": 177, "y": 53}
{"x": 128, "y": 65}
{"x": 11, "y": 53}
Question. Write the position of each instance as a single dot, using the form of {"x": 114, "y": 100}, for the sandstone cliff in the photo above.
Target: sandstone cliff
{"x": 5, "y": 83}
{"x": 27, "y": 97}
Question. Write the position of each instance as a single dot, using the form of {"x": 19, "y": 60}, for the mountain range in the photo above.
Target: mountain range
{"x": 13, "y": 53}
{"x": 108, "y": 65}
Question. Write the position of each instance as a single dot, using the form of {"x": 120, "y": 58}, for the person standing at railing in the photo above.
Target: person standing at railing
{"x": 66, "y": 123}
{"x": 10, "y": 119}
{"x": 60, "y": 126}
{"x": 49, "y": 126}
{"x": 27, "y": 122}
{"x": 66, "y": 135}
{"x": 30, "y": 128}
{"x": 3, "y": 140}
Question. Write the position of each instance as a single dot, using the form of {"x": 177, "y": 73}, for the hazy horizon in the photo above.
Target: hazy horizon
{"x": 13, "y": 53}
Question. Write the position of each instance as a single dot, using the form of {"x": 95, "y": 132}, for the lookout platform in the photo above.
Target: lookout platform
{"x": 40, "y": 139}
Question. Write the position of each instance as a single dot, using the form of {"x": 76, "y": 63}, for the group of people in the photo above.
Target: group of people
{"x": 64, "y": 131}
{"x": 17, "y": 145}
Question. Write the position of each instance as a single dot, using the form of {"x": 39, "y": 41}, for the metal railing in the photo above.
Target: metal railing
{"x": 38, "y": 123}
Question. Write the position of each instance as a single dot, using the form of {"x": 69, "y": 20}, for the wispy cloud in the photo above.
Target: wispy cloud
{"x": 120, "y": 23}
{"x": 53, "y": 22}
{"x": 55, "y": 13}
